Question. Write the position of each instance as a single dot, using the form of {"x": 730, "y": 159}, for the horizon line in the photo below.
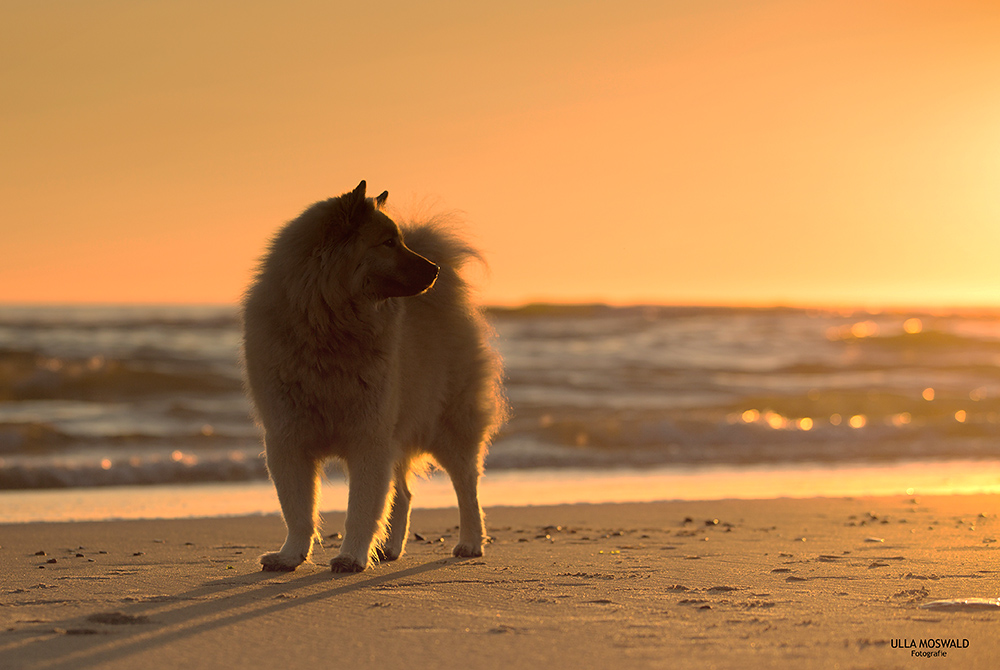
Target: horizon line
{"x": 832, "y": 306}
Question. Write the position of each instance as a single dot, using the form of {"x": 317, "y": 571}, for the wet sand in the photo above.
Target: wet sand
{"x": 866, "y": 582}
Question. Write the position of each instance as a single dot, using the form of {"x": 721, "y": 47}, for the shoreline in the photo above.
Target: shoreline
{"x": 523, "y": 488}
{"x": 812, "y": 582}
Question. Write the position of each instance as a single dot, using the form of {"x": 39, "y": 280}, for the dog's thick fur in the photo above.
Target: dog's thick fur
{"x": 362, "y": 347}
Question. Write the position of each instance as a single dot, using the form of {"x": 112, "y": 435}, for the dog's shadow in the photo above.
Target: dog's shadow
{"x": 219, "y": 604}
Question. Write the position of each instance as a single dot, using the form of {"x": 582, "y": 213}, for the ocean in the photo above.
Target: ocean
{"x": 652, "y": 402}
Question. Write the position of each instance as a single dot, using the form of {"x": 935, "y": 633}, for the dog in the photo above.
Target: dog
{"x": 360, "y": 342}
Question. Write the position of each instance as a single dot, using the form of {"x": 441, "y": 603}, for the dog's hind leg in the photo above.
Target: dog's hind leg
{"x": 399, "y": 517}
{"x": 465, "y": 473}
{"x": 370, "y": 480}
{"x": 296, "y": 479}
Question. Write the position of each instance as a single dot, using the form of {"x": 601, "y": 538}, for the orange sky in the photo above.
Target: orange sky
{"x": 688, "y": 151}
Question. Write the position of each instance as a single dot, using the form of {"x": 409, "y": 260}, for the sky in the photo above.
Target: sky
{"x": 683, "y": 152}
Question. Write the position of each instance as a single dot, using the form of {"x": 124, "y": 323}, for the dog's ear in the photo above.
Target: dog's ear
{"x": 380, "y": 200}
{"x": 356, "y": 199}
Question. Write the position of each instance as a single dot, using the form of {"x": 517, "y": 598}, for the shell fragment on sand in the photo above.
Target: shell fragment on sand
{"x": 964, "y": 605}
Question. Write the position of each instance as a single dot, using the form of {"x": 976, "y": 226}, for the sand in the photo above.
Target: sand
{"x": 847, "y": 583}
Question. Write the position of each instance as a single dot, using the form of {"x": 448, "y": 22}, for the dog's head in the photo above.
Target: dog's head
{"x": 377, "y": 262}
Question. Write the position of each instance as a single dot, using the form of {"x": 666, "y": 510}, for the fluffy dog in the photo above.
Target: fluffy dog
{"x": 360, "y": 342}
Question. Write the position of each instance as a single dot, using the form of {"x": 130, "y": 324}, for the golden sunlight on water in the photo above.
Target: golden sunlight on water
{"x": 913, "y": 326}
{"x": 519, "y": 488}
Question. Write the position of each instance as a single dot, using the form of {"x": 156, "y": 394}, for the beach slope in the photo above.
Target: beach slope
{"x": 866, "y": 582}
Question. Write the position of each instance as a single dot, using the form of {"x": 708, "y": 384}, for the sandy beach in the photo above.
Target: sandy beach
{"x": 850, "y": 583}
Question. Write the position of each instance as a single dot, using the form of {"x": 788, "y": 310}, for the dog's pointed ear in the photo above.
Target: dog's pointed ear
{"x": 380, "y": 200}
{"x": 355, "y": 201}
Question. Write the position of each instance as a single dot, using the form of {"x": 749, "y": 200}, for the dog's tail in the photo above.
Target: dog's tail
{"x": 435, "y": 238}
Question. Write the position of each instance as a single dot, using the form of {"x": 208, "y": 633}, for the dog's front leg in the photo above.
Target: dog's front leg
{"x": 296, "y": 479}
{"x": 369, "y": 475}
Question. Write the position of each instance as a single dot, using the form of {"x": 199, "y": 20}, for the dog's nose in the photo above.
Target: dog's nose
{"x": 431, "y": 273}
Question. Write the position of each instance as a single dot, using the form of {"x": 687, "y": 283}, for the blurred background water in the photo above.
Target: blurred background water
{"x": 138, "y": 396}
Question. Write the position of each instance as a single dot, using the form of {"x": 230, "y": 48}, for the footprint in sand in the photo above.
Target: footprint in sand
{"x": 117, "y": 618}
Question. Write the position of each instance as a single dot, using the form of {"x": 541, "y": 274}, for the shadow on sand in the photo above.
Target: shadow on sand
{"x": 217, "y": 604}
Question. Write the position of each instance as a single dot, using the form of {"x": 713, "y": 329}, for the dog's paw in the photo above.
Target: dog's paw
{"x": 346, "y": 564}
{"x": 384, "y": 554}
{"x": 278, "y": 562}
{"x": 468, "y": 550}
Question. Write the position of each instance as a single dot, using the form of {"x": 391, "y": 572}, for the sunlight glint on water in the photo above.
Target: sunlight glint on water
{"x": 518, "y": 488}
{"x": 146, "y": 396}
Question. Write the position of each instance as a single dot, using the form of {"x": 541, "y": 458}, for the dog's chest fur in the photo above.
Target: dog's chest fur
{"x": 341, "y": 379}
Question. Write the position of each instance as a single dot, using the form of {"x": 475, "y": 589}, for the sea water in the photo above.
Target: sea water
{"x": 659, "y": 402}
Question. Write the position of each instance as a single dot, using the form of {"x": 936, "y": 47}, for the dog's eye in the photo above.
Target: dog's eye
{"x": 390, "y": 243}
